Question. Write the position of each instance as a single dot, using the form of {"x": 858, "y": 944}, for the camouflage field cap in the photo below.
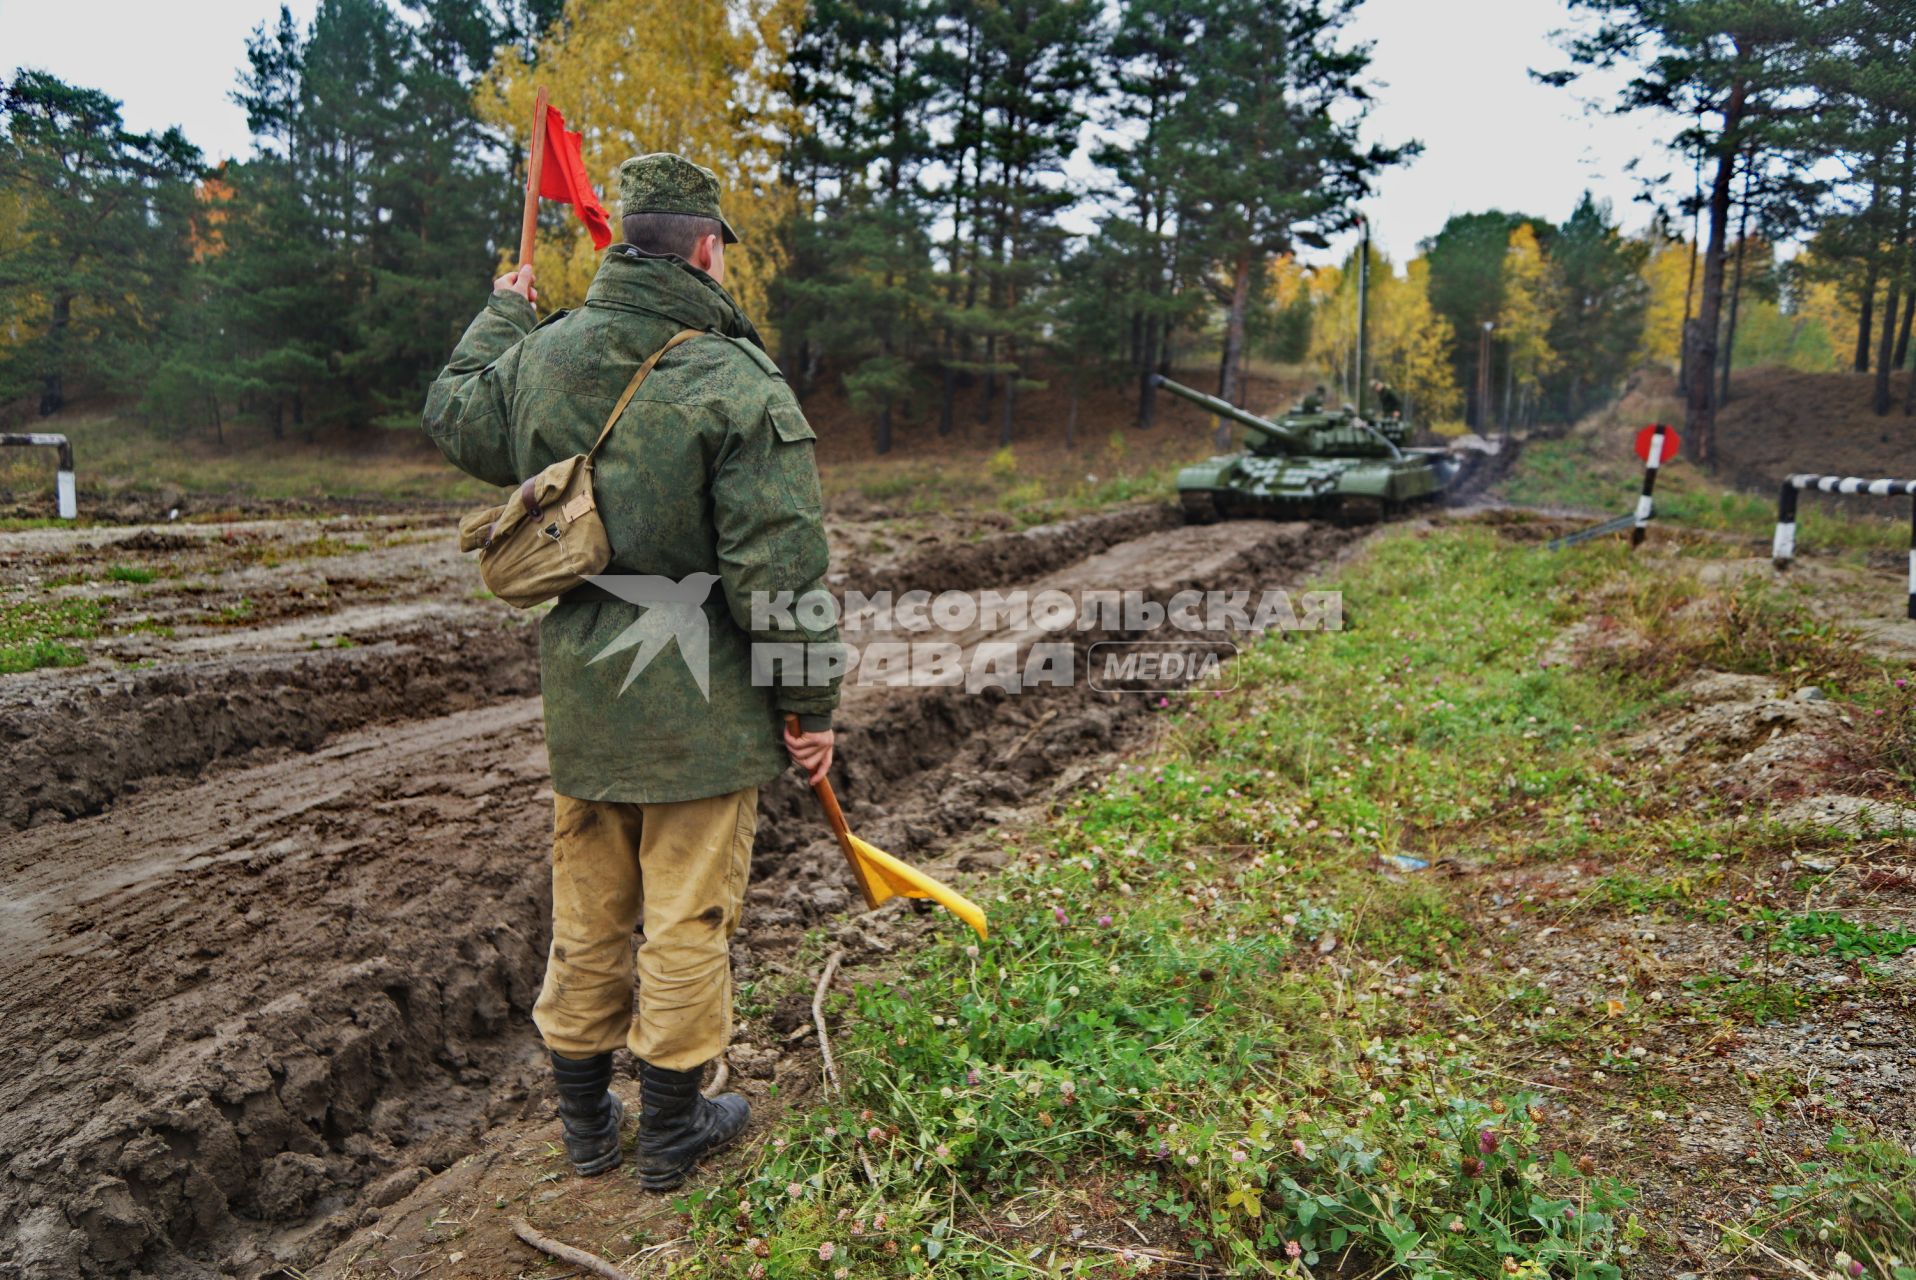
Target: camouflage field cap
{"x": 663, "y": 182}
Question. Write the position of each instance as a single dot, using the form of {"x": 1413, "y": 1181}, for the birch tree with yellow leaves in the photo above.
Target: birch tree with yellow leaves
{"x": 704, "y": 78}
{"x": 1523, "y": 322}
{"x": 1410, "y": 342}
{"x": 1667, "y": 276}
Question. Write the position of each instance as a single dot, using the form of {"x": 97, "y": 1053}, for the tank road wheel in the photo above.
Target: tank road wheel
{"x": 1200, "y": 506}
{"x": 1360, "y": 510}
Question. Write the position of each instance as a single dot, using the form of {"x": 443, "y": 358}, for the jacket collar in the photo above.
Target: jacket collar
{"x": 631, "y": 279}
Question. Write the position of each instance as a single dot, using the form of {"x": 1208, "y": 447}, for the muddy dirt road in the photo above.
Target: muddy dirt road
{"x": 275, "y": 856}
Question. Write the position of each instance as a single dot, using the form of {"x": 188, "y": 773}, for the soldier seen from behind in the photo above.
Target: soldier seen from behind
{"x": 706, "y": 480}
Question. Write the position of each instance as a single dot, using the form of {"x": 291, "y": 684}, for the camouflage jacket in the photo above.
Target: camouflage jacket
{"x": 708, "y": 478}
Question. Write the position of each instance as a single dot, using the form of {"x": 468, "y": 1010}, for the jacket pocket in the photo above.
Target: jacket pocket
{"x": 796, "y": 468}
{"x": 789, "y": 421}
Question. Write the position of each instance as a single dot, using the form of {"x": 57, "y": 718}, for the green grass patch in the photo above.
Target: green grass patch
{"x": 32, "y": 631}
{"x": 1825, "y": 933}
{"x": 999, "y": 483}
{"x": 130, "y": 573}
{"x": 1681, "y": 896}
{"x": 1855, "y": 1207}
{"x": 1746, "y": 1000}
{"x": 1569, "y": 472}
{"x": 119, "y": 455}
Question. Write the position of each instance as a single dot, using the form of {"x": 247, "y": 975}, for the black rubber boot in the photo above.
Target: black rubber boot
{"x": 679, "y": 1126}
{"x": 591, "y": 1112}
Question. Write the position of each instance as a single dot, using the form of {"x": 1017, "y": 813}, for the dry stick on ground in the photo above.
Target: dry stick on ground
{"x": 566, "y": 1253}
{"x": 825, "y": 1045}
{"x": 1146, "y": 1252}
{"x": 1792, "y": 1264}
{"x": 818, "y": 1017}
{"x": 1025, "y": 741}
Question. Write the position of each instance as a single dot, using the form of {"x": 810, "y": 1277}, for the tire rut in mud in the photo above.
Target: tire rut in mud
{"x": 75, "y": 743}
{"x": 289, "y": 994}
{"x": 75, "y": 747}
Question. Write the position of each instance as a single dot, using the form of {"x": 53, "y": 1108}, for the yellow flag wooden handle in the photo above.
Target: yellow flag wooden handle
{"x": 834, "y": 815}
{"x": 882, "y": 877}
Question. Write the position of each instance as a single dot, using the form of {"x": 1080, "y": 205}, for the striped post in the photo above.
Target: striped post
{"x": 1783, "y": 546}
{"x": 65, "y": 493}
{"x": 1650, "y": 467}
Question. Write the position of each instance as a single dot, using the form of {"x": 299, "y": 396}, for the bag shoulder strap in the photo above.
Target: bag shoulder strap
{"x": 632, "y": 387}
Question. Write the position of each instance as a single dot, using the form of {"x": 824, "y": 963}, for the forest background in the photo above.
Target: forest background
{"x": 984, "y": 197}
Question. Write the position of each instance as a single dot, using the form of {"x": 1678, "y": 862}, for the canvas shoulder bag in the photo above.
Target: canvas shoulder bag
{"x": 547, "y": 537}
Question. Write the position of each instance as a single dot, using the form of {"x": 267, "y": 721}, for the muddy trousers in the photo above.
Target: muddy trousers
{"x": 676, "y": 871}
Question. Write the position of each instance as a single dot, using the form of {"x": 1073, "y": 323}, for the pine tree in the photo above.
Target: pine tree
{"x": 1034, "y": 67}
{"x": 1602, "y": 302}
{"x": 103, "y": 221}
{"x": 1148, "y": 63}
{"x": 1734, "y": 71}
{"x": 1270, "y": 143}
{"x": 444, "y": 206}
{"x": 865, "y": 292}
{"x": 1467, "y": 259}
{"x": 1088, "y": 342}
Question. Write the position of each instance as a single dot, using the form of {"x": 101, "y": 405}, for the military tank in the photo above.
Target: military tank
{"x": 1314, "y": 462}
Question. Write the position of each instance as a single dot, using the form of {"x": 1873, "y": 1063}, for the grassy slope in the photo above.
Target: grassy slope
{"x": 1210, "y": 1029}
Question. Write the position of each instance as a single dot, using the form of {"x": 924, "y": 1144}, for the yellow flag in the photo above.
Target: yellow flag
{"x": 885, "y": 877}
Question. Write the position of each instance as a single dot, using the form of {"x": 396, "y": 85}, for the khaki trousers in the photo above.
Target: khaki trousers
{"x": 676, "y": 870}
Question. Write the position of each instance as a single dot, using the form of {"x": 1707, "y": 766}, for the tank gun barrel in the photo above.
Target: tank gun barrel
{"x": 1290, "y": 436}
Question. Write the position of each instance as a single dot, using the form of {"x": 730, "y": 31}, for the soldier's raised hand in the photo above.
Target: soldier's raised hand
{"x": 519, "y": 281}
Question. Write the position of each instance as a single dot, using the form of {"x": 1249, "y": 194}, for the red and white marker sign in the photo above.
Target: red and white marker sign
{"x": 1671, "y": 443}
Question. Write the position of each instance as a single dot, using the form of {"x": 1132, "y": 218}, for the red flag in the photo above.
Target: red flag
{"x": 563, "y": 178}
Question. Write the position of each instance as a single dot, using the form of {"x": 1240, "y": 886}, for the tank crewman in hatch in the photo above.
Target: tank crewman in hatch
{"x": 1389, "y": 403}
{"x": 707, "y": 478}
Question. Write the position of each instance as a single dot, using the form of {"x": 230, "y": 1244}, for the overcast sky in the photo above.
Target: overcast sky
{"x": 1453, "y": 75}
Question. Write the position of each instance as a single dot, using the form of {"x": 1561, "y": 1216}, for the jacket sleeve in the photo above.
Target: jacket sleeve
{"x": 770, "y": 517}
{"x": 467, "y": 410}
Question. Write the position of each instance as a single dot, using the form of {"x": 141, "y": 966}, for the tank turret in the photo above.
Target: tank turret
{"x": 1307, "y": 430}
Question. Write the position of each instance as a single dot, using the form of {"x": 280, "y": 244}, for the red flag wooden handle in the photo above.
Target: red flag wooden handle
{"x": 529, "y": 223}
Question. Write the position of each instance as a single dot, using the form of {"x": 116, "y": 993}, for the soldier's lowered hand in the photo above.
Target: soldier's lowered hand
{"x": 811, "y": 752}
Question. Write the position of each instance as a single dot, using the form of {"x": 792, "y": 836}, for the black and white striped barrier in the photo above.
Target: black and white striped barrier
{"x": 1651, "y": 464}
{"x": 63, "y": 481}
{"x": 1783, "y": 546}
{"x": 1654, "y": 444}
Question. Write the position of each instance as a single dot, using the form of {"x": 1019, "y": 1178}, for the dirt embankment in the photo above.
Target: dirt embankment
{"x": 252, "y": 1006}
{"x": 75, "y": 748}
{"x": 218, "y": 641}
{"x": 1778, "y": 422}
